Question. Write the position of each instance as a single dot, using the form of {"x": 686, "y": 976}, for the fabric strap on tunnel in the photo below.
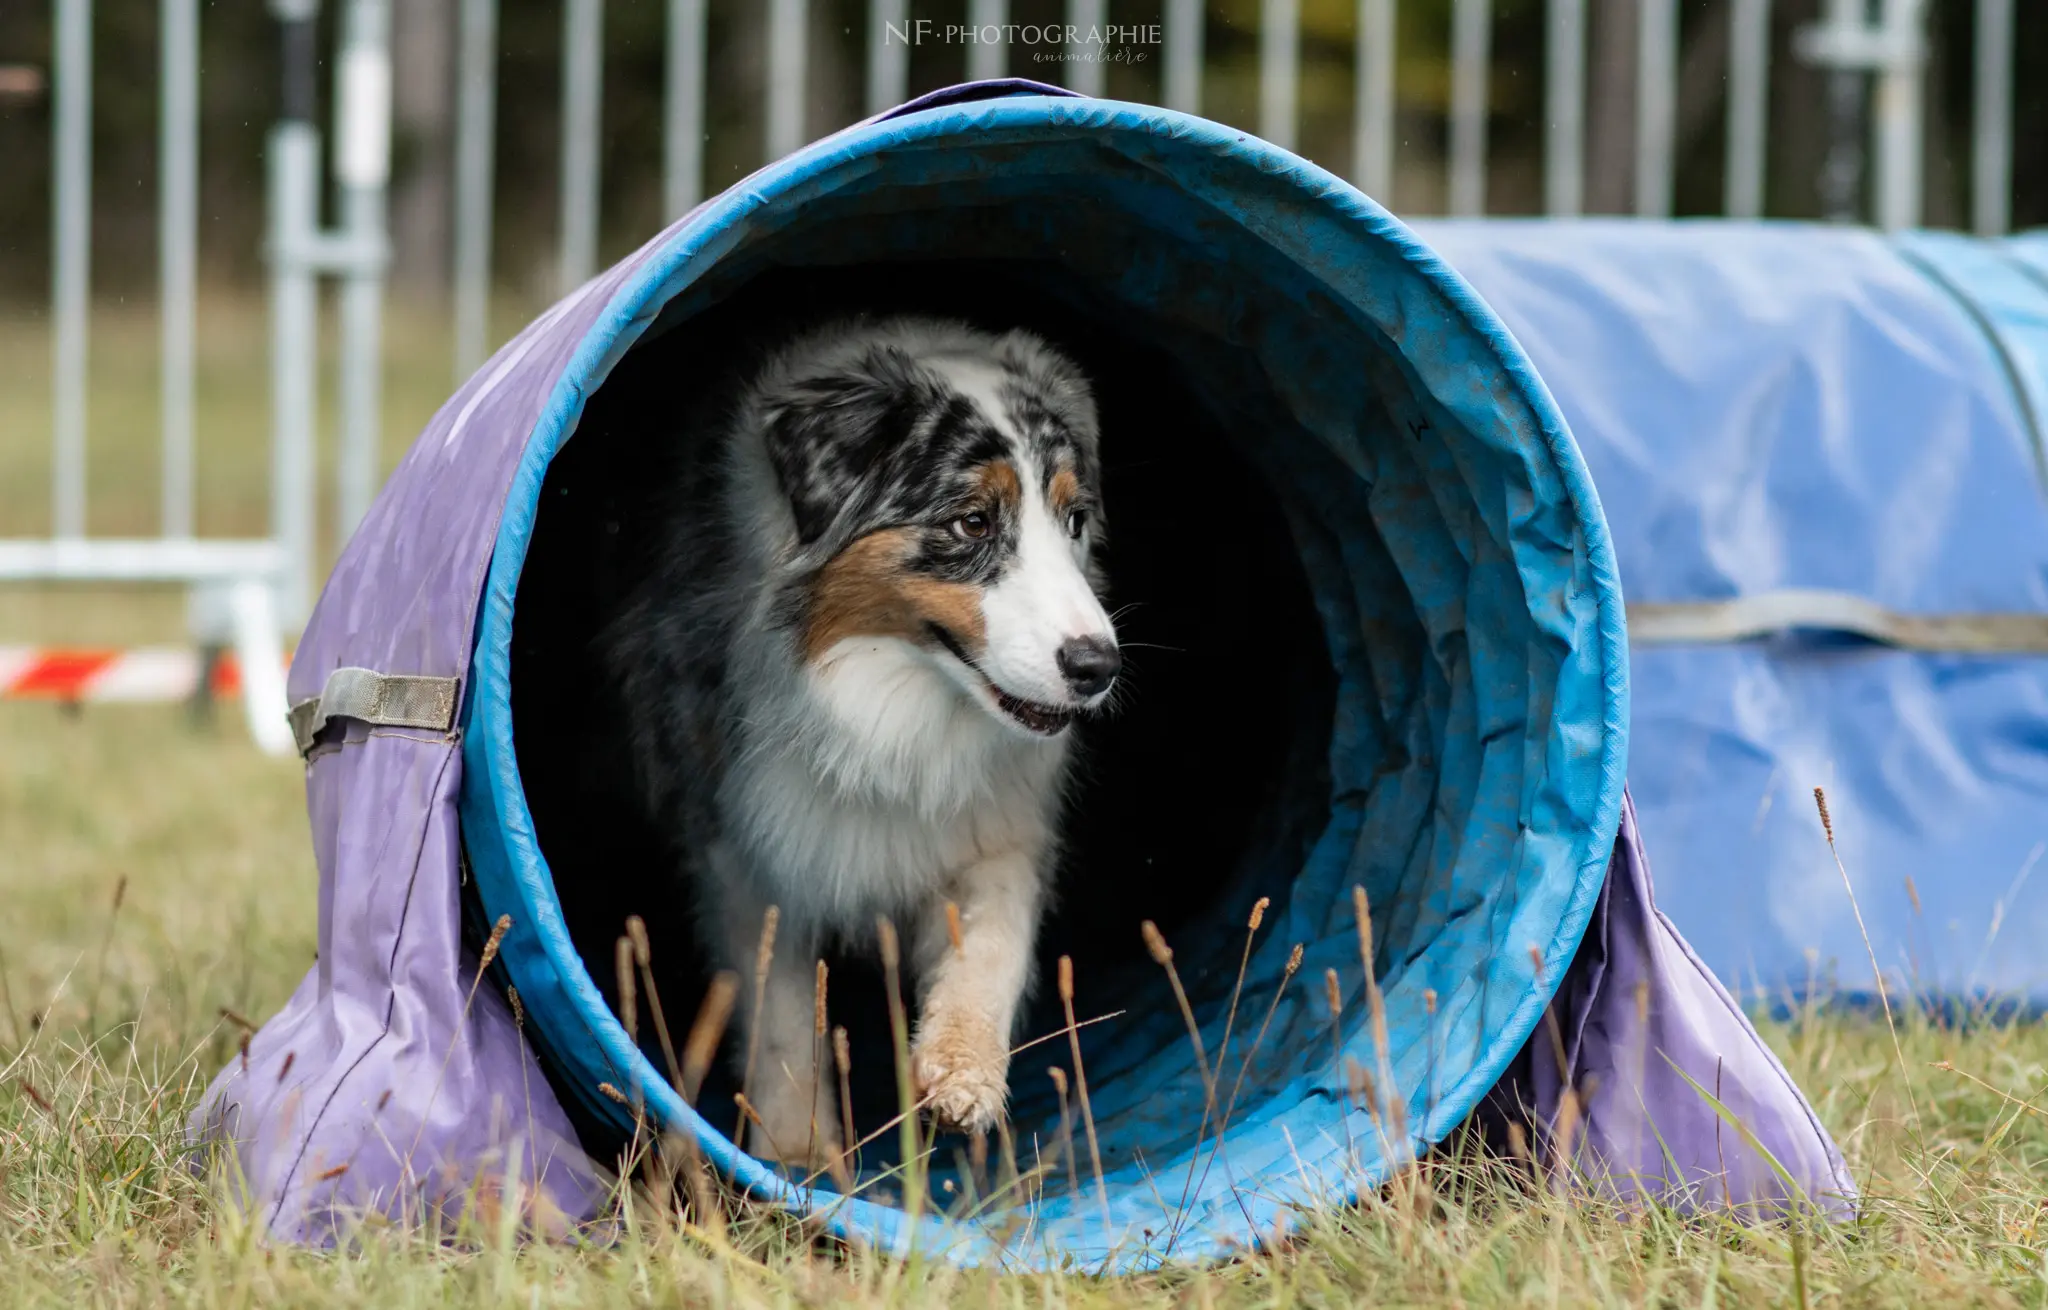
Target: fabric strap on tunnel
{"x": 388, "y": 700}
{"x": 1746, "y": 617}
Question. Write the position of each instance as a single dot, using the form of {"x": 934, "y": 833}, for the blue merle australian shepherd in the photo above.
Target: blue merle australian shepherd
{"x": 875, "y": 616}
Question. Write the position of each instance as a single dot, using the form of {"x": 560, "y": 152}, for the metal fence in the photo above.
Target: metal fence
{"x": 236, "y": 585}
{"x": 1875, "y": 51}
{"x": 1873, "y": 48}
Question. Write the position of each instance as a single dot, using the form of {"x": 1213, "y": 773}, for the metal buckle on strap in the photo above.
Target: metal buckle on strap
{"x": 389, "y": 700}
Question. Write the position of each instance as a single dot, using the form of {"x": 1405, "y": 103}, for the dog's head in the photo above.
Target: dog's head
{"x": 945, "y": 492}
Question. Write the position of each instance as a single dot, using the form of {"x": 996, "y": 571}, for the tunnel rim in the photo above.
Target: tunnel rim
{"x": 493, "y": 792}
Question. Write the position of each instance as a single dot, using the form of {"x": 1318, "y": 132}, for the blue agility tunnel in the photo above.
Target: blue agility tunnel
{"x": 1821, "y": 452}
{"x": 1319, "y": 442}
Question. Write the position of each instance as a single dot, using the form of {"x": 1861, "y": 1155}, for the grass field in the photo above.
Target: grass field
{"x": 109, "y": 1029}
{"x": 153, "y": 871}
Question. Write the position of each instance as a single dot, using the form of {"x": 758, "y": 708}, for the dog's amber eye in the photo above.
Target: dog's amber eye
{"x": 1077, "y": 523}
{"x": 973, "y": 526}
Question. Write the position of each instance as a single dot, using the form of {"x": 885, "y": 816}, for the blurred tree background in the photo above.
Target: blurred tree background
{"x": 240, "y": 94}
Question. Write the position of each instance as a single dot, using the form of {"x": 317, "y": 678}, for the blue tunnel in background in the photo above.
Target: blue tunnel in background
{"x": 1820, "y": 452}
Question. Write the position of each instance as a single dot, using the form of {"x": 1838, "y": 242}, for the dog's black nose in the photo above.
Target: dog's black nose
{"x": 1090, "y": 664}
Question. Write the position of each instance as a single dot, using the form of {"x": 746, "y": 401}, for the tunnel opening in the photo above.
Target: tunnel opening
{"x": 1203, "y": 792}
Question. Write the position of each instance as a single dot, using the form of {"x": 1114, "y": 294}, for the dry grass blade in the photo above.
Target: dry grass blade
{"x": 92, "y": 1006}
{"x": 764, "y": 958}
{"x": 1066, "y": 982}
{"x": 1209, "y": 1107}
{"x": 1376, "y": 1014}
{"x": 483, "y": 963}
{"x": 748, "y": 1113}
{"x": 1162, "y": 955}
{"x": 842, "y": 1060}
{"x": 623, "y": 974}
{"x": 643, "y": 955}
{"x": 700, "y": 1048}
{"x": 818, "y": 1031}
{"x": 906, "y": 1086}
{"x": 1067, "y": 1161}
{"x": 35, "y": 1097}
{"x": 1333, "y": 999}
{"x": 1884, "y": 1000}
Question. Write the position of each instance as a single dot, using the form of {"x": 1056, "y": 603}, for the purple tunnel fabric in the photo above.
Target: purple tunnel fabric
{"x": 1647, "y": 1034}
{"x": 392, "y": 1083}
{"x": 386, "y": 1084}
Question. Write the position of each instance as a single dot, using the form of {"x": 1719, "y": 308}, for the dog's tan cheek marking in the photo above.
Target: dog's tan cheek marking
{"x": 859, "y": 594}
{"x": 865, "y": 591}
{"x": 954, "y": 606}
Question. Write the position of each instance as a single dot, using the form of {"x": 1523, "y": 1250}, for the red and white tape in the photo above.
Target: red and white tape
{"x": 143, "y": 674}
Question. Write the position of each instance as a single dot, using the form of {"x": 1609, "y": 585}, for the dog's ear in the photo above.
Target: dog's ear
{"x": 829, "y": 432}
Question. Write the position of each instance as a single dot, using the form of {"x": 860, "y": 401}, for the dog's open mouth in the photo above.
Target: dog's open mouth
{"x": 1042, "y": 719}
{"x": 1045, "y": 720}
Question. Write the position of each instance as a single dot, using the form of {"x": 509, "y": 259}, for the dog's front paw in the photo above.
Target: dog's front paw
{"x": 962, "y": 1064}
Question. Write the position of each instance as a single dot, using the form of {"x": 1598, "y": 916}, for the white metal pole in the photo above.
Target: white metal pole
{"x": 1991, "y": 148}
{"x": 889, "y": 37}
{"x": 582, "y": 106}
{"x": 1184, "y": 38}
{"x": 1471, "y": 62}
{"x": 1896, "y": 123}
{"x": 787, "y": 20}
{"x": 476, "y": 118}
{"x": 1279, "y": 70}
{"x": 682, "y": 138}
{"x": 178, "y": 254}
{"x": 1372, "y": 110}
{"x": 293, "y": 206}
{"x": 1749, "y": 93}
{"x": 1564, "y": 105}
{"x": 1085, "y": 69}
{"x": 985, "y": 57}
{"x": 71, "y": 262}
{"x": 294, "y": 158}
{"x": 362, "y": 167}
{"x": 1656, "y": 105}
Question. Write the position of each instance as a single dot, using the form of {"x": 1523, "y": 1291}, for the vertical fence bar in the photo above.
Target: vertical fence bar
{"x": 1471, "y": 61}
{"x": 786, "y": 58}
{"x": 582, "y": 121}
{"x": 1656, "y": 105}
{"x": 1372, "y": 107}
{"x": 1564, "y": 109}
{"x": 292, "y": 208}
{"x": 1991, "y": 128}
{"x": 1896, "y": 121}
{"x": 682, "y": 138}
{"x": 1279, "y": 70}
{"x": 178, "y": 253}
{"x": 987, "y": 58}
{"x": 71, "y": 262}
{"x": 1749, "y": 92}
{"x": 1085, "y": 70}
{"x": 1184, "y": 38}
{"x": 888, "y": 54}
{"x": 362, "y": 165}
{"x": 476, "y": 134}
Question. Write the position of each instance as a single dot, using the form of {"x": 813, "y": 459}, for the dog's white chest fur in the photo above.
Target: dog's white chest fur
{"x": 879, "y": 784}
